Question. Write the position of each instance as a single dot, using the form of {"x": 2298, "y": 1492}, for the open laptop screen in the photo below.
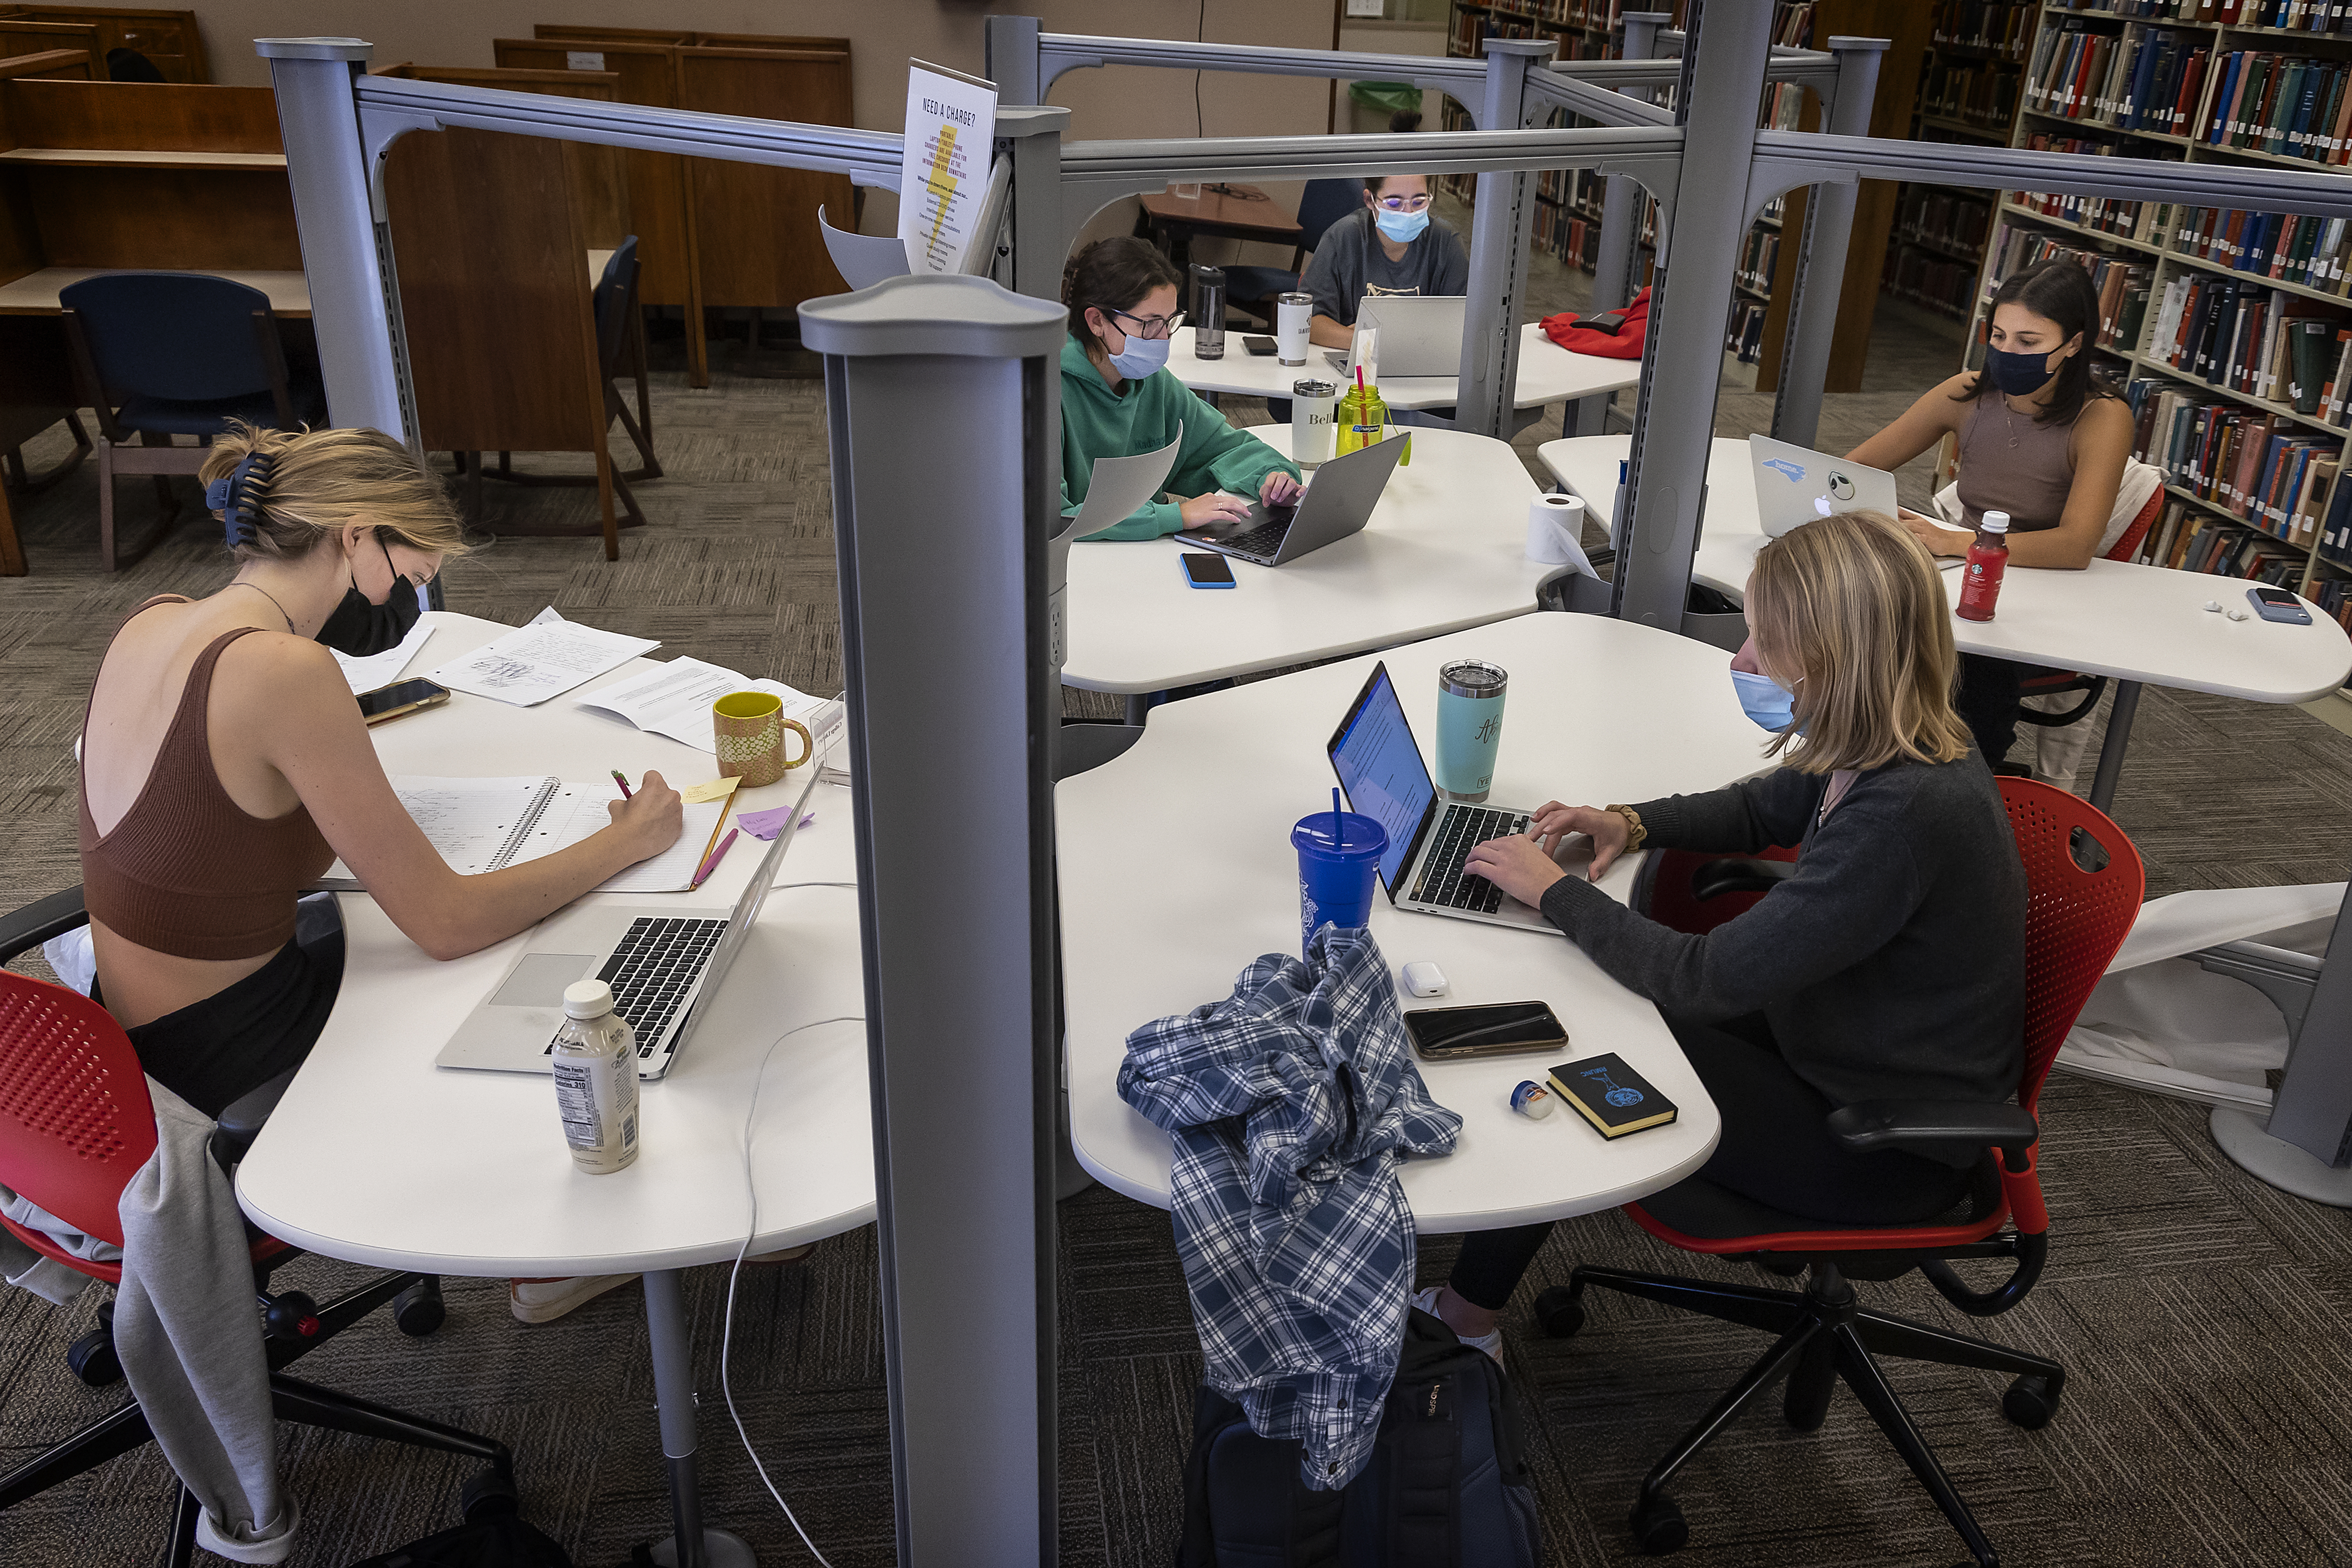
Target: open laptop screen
{"x": 1379, "y": 766}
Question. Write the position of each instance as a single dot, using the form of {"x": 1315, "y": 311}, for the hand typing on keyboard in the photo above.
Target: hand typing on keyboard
{"x": 1517, "y": 865}
{"x": 1605, "y": 831}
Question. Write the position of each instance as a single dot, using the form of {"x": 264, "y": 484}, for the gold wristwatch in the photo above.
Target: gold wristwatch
{"x": 1634, "y": 831}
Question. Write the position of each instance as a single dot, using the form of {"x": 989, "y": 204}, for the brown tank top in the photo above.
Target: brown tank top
{"x": 2010, "y": 463}
{"x": 186, "y": 871}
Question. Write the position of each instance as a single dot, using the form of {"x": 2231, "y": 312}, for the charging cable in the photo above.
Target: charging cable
{"x": 780, "y": 887}
{"x": 727, "y": 1334}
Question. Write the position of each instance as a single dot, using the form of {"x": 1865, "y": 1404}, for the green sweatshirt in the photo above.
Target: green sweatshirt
{"x": 1099, "y": 423}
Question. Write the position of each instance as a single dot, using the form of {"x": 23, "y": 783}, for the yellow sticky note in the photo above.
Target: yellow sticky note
{"x": 710, "y": 789}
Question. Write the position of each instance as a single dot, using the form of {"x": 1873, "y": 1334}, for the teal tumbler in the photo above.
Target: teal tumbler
{"x": 1469, "y": 727}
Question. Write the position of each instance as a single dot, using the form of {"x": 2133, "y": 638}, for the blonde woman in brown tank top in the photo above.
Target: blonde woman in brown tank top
{"x": 2039, "y": 439}
{"x": 224, "y": 765}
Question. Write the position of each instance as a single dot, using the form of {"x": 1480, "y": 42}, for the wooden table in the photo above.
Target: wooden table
{"x": 1244, "y": 211}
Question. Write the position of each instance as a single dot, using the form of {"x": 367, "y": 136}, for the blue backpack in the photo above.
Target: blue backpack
{"x": 1446, "y": 1486}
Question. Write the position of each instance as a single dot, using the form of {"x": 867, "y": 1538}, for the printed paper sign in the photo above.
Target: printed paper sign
{"x": 943, "y": 174}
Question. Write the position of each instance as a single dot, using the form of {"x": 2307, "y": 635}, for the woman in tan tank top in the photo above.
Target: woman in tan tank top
{"x": 224, "y": 765}
{"x": 2039, "y": 439}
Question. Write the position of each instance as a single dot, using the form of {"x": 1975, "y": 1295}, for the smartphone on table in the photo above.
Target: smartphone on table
{"x": 1206, "y": 569}
{"x": 2278, "y": 604}
{"x": 1491, "y": 1029}
{"x": 399, "y": 699}
{"x": 1258, "y": 347}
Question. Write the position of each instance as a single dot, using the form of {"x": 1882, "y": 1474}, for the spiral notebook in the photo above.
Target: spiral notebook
{"x": 488, "y": 825}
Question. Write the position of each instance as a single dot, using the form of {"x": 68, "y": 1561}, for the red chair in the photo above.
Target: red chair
{"x": 2037, "y": 680}
{"x": 2085, "y": 885}
{"x": 75, "y": 1125}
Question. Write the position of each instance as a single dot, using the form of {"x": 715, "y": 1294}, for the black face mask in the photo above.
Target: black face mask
{"x": 359, "y": 628}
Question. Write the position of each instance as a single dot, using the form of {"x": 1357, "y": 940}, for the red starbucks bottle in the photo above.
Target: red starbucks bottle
{"x": 1987, "y": 560}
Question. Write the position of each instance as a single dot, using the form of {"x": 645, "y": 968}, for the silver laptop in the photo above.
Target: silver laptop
{"x": 1339, "y": 502}
{"x": 662, "y": 960}
{"x": 1795, "y": 485}
{"x": 1379, "y": 768}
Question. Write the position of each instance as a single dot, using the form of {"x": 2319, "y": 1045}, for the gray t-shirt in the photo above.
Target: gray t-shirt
{"x": 1349, "y": 264}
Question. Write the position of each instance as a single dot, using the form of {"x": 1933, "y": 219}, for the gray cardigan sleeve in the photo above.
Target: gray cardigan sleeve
{"x": 1752, "y": 815}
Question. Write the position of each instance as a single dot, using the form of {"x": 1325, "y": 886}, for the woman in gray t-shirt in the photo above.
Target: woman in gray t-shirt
{"x": 1394, "y": 246}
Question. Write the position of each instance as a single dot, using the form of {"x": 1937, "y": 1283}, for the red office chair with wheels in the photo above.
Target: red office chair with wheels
{"x": 75, "y": 1125}
{"x": 2084, "y": 885}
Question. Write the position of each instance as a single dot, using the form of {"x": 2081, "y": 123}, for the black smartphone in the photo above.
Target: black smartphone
{"x": 1261, "y": 347}
{"x": 1495, "y": 1029}
{"x": 1203, "y": 569}
{"x": 386, "y": 703}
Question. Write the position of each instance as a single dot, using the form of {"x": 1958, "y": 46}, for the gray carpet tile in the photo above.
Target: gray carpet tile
{"x": 2206, "y": 1320}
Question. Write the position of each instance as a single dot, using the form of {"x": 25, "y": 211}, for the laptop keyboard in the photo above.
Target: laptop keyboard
{"x": 653, "y": 967}
{"x": 1263, "y": 539}
{"x": 1462, "y": 829}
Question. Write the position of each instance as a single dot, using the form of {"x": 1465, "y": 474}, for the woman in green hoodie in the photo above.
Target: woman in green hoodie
{"x": 1118, "y": 398}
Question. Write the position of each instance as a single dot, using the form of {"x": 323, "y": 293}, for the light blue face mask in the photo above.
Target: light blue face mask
{"x": 1141, "y": 357}
{"x": 1765, "y": 700}
{"x": 1402, "y": 227}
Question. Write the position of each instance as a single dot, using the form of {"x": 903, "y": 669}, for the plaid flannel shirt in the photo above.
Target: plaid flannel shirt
{"x": 1291, "y": 1103}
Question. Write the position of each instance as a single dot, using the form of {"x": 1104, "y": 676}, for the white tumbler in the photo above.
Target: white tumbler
{"x": 1290, "y": 316}
{"x": 1313, "y": 406}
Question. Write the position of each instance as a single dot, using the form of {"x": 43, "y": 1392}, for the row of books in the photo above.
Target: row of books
{"x": 2189, "y": 539}
{"x": 1743, "y": 334}
{"x": 1581, "y": 188}
{"x": 1784, "y": 106}
{"x": 1943, "y": 218}
{"x": 1792, "y": 24}
{"x": 2122, "y": 217}
{"x": 2335, "y": 596}
{"x": 2301, "y": 15}
{"x": 1972, "y": 91}
{"x": 1759, "y": 253}
{"x": 2142, "y": 79}
{"x": 1560, "y": 13}
{"x": 1926, "y": 277}
{"x": 2244, "y": 338}
{"x": 2265, "y": 470}
{"x": 2124, "y": 285}
{"x": 2288, "y": 247}
{"x": 2285, "y": 105}
{"x": 1574, "y": 240}
{"x": 2005, "y": 26}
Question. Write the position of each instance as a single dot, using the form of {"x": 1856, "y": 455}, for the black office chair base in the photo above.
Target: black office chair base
{"x": 1824, "y": 1338}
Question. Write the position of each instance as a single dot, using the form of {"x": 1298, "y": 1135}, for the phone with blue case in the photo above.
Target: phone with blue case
{"x": 1204, "y": 568}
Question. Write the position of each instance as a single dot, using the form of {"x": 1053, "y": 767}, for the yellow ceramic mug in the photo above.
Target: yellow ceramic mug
{"x": 749, "y": 729}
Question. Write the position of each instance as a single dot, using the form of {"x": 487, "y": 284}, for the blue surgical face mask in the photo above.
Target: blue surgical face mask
{"x": 1141, "y": 357}
{"x": 1402, "y": 227}
{"x": 2019, "y": 375}
{"x": 1764, "y": 699}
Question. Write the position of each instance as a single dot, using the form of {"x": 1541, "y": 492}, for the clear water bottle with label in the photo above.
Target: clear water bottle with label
{"x": 595, "y": 1061}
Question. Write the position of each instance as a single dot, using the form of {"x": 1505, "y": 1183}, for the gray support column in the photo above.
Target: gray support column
{"x": 1681, "y": 360}
{"x": 692, "y": 1544}
{"x": 1616, "y": 265}
{"x": 355, "y": 301}
{"x": 944, "y": 646}
{"x": 1821, "y": 258}
{"x": 2313, "y": 1110}
{"x": 1010, "y": 53}
{"x": 1501, "y": 227}
{"x": 1032, "y": 138}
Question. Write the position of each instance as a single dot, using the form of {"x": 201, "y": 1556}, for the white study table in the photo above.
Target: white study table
{"x": 486, "y": 1186}
{"x": 1548, "y": 372}
{"x": 1445, "y": 549}
{"x": 1177, "y": 870}
{"x": 2132, "y": 623}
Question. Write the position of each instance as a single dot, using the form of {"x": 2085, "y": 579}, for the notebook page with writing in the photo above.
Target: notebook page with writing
{"x": 474, "y": 822}
{"x": 577, "y": 811}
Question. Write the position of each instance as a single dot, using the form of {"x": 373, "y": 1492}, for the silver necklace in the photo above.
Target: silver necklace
{"x": 2010, "y": 415}
{"x": 289, "y": 620}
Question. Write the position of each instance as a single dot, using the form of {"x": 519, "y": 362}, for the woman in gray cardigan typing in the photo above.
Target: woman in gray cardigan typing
{"x": 1890, "y": 966}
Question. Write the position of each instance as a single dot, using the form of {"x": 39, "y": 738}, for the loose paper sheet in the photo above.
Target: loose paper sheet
{"x": 675, "y": 699}
{"x": 532, "y": 664}
{"x": 1120, "y": 485}
{"x": 943, "y": 174}
{"x": 384, "y": 668}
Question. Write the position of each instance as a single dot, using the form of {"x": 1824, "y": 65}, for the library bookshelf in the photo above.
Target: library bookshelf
{"x": 2230, "y": 333}
{"x": 1969, "y": 82}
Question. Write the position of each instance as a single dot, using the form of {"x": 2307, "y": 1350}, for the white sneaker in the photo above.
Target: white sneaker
{"x": 1491, "y": 1341}
{"x": 544, "y": 1300}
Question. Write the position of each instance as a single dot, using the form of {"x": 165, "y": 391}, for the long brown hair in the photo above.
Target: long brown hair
{"x": 1850, "y": 612}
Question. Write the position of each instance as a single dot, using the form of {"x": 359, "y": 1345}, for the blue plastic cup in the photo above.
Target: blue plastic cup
{"x": 1469, "y": 727}
{"x": 1338, "y": 859}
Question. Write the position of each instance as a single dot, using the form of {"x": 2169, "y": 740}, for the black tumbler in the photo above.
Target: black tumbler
{"x": 1207, "y": 312}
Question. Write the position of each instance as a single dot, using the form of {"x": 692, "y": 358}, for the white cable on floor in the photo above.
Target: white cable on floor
{"x": 727, "y": 1334}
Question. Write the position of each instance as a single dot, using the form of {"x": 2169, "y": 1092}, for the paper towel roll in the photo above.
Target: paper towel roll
{"x": 1556, "y": 530}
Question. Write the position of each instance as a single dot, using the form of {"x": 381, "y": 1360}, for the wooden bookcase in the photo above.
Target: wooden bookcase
{"x": 1970, "y": 83}
{"x": 168, "y": 39}
{"x": 2149, "y": 240}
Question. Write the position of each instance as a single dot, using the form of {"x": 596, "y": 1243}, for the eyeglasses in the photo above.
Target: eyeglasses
{"x": 1404, "y": 203}
{"x": 1150, "y": 326}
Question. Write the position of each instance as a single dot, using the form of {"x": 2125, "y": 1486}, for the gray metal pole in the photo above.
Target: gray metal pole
{"x": 1033, "y": 137}
{"x": 1820, "y": 259}
{"x": 1681, "y": 360}
{"x": 2313, "y": 1108}
{"x": 1009, "y": 49}
{"x": 941, "y": 397}
{"x": 1502, "y": 225}
{"x": 1614, "y": 267}
{"x": 346, "y": 254}
{"x": 692, "y": 1544}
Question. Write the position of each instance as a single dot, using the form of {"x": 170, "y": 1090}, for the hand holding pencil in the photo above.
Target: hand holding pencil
{"x": 649, "y": 820}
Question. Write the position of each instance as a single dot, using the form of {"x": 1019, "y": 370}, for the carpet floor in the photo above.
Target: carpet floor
{"x": 2206, "y": 1320}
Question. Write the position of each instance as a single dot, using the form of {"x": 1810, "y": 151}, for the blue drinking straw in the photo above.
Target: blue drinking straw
{"x": 1339, "y": 821}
